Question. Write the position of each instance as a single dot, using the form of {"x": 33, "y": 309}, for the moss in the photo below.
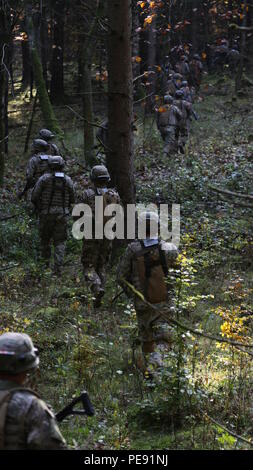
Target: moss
{"x": 46, "y": 106}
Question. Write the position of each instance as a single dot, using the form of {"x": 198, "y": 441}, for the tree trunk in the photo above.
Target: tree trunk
{"x": 136, "y": 42}
{"x": 151, "y": 64}
{"x": 44, "y": 44}
{"x": 238, "y": 77}
{"x": 120, "y": 99}
{"x": 2, "y": 123}
{"x": 57, "y": 80}
{"x": 88, "y": 129}
{"x": 86, "y": 88}
{"x": 46, "y": 106}
{"x": 26, "y": 64}
{"x": 5, "y": 44}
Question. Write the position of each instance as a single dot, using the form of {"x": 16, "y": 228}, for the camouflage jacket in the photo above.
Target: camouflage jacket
{"x": 53, "y": 150}
{"x": 187, "y": 94}
{"x": 27, "y": 424}
{"x": 183, "y": 68}
{"x": 90, "y": 194}
{"x": 196, "y": 68}
{"x": 186, "y": 110}
{"x": 53, "y": 194}
{"x": 36, "y": 167}
{"x": 170, "y": 117}
{"x": 127, "y": 268}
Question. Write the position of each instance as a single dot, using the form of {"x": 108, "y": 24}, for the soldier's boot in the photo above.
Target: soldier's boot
{"x": 95, "y": 287}
{"x": 166, "y": 150}
{"x": 59, "y": 251}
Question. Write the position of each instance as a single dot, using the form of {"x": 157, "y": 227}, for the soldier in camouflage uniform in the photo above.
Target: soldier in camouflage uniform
{"x": 182, "y": 67}
{"x": 48, "y": 136}
{"x": 184, "y": 125}
{"x": 26, "y": 423}
{"x": 167, "y": 123}
{"x": 196, "y": 71}
{"x": 38, "y": 163}
{"x": 188, "y": 96}
{"x": 151, "y": 327}
{"x": 96, "y": 253}
{"x": 233, "y": 59}
{"x": 174, "y": 83}
{"x": 53, "y": 195}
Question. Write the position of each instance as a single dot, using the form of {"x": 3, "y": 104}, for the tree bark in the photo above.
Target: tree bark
{"x": 120, "y": 99}
{"x": 45, "y": 104}
{"x": 239, "y": 74}
{"x": 57, "y": 80}
{"x": 88, "y": 48}
{"x": 26, "y": 64}
{"x": 44, "y": 44}
{"x": 2, "y": 123}
{"x": 5, "y": 43}
{"x": 151, "y": 63}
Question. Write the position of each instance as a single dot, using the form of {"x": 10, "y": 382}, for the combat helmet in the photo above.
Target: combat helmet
{"x": 40, "y": 145}
{"x": 99, "y": 172}
{"x": 56, "y": 163}
{"x": 179, "y": 94}
{"x": 168, "y": 99}
{"x": 184, "y": 83}
{"x": 177, "y": 76}
{"x": 46, "y": 134}
{"x": 196, "y": 57}
{"x": 17, "y": 353}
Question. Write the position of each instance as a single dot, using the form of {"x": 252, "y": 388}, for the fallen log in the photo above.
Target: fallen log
{"x": 8, "y": 217}
{"x": 231, "y": 193}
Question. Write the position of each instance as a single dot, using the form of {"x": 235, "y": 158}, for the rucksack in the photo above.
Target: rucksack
{"x": 110, "y": 196}
{"x": 58, "y": 184}
{"x": 152, "y": 270}
{"x": 164, "y": 117}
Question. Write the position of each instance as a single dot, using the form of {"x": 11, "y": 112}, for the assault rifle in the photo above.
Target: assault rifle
{"x": 87, "y": 410}
{"x": 22, "y": 193}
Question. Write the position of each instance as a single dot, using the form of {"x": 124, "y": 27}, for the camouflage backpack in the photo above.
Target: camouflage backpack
{"x": 152, "y": 270}
{"x": 110, "y": 196}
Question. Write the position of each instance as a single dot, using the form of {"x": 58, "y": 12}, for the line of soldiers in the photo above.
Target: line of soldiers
{"x": 52, "y": 196}
{"x": 176, "y": 113}
{"x": 222, "y": 54}
{"x": 96, "y": 253}
{"x": 25, "y": 420}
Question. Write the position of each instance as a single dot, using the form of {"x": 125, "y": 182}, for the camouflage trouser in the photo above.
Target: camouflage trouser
{"x": 183, "y": 135}
{"x": 170, "y": 139}
{"x": 53, "y": 229}
{"x": 152, "y": 327}
{"x": 95, "y": 258}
